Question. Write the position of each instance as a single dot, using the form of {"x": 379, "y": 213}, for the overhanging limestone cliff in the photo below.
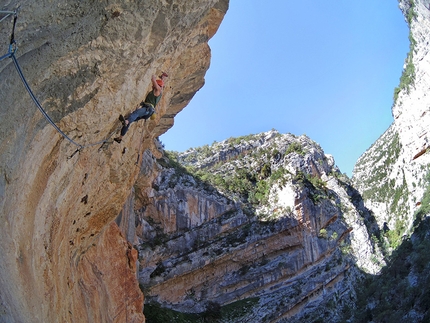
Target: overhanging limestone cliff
{"x": 61, "y": 257}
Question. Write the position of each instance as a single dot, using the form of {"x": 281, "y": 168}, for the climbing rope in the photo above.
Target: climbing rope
{"x": 11, "y": 54}
{"x": 12, "y": 43}
{"x": 33, "y": 97}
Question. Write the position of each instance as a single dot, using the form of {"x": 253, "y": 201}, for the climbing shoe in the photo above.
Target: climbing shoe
{"x": 121, "y": 118}
{"x": 118, "y": 140}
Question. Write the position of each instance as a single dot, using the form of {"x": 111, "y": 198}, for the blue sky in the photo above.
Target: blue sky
{"x": 326, "y": 69}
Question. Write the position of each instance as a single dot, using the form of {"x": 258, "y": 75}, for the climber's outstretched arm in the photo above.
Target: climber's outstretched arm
{"x": 155, "y": 87}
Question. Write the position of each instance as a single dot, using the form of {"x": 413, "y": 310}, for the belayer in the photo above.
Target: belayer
{"x": 146, "y": 108}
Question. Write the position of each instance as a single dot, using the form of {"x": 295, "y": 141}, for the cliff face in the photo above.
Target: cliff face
{"x": 62, "y": 258}
{"x": 265, "y": 218}
{"x": 392, "y": 174}
{"x": 393, "y": 177}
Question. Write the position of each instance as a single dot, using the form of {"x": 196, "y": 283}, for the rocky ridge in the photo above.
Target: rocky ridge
{"x": 393, "y": 177}
{"x": 264, "y": 218}
{"x": 392, "y": 174}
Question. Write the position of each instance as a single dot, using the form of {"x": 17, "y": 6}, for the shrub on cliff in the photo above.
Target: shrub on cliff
{"x": 397, "y": 294}
{"x": 408, "y": 75}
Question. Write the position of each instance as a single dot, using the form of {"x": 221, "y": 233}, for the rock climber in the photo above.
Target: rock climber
{"x": 146, "y": 108}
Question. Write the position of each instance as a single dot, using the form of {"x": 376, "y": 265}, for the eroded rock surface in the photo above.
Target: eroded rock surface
{"x": 62, "y": 259}
{"x": 266, "y": 218}
{"x": 391, "y": 174}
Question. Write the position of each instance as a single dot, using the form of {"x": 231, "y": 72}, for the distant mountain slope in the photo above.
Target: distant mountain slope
{"x": 393, "y": 177}
{"x": 267, "y": 217}
{"x": 391, "y": 174}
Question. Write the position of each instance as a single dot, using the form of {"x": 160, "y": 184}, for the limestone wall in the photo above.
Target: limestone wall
{"x": 62, "y": 259}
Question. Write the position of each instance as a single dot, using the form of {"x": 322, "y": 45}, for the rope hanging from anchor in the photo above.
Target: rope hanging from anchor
{"x": 11, "y": 54}
{"x": 12, "y": 43}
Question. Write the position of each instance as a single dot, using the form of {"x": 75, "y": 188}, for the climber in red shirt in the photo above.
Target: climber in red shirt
{"x": 146, "y": 108}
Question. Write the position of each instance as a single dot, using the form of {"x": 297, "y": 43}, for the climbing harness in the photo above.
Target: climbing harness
{"x": 11, "y": 54}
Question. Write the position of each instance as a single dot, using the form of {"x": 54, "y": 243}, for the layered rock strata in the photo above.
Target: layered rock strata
{"x": 200, "y": 242}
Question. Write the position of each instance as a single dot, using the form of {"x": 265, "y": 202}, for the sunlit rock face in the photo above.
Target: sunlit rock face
{"x": 62, "y": 258}
{"x": 392, "y": 173}
{"x": 266, "y": 218}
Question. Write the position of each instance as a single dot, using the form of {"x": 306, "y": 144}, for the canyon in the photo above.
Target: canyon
{"x": 261, "y": 228}
{"x": 63, "y": 258}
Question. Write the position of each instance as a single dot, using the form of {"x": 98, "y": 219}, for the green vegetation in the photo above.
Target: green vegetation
{"x": 378, "y": 187}
{"x": 154, "y": 313}
{"x": 425, "y": 202}
{"x": 171, "y": 160}
{"x": 239, "y": 180}
{"x": 323, "y": 234}
{"x": 295, "y": 147}
{"x": 249, "y": 184}
{"x": 398, "y": 209}
{"x": 345, "y": 248}
{"x": 399, "y": 192}
{"x": 408, "y": 76}
{"x": 236, "y": 141}
{"x": 317, "y": 188}
{"x": 238, "y": 309}
{"x": 250, "y": 175}
{"x": 401, "y": 288}
{"x": 395, "y": 235}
